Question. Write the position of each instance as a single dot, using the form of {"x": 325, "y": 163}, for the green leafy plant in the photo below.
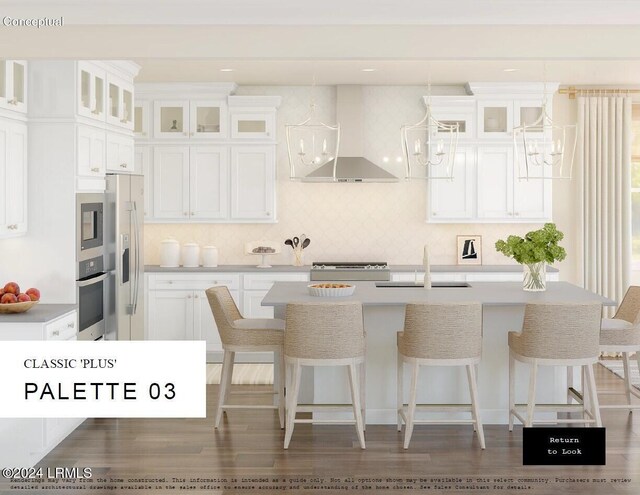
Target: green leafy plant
{"x": 536, "y": 246}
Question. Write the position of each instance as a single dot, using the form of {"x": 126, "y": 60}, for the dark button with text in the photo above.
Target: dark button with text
{"x": 564, "y": 446}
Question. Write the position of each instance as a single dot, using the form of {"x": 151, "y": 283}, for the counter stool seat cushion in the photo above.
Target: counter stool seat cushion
{"x": 257, "y": 331}
{"x": 615, "y": 331}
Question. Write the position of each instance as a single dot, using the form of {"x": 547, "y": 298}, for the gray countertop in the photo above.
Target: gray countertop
{"x": 302, "y": 269}
{"x": 40, "y": 313}
{"x": 488, "y": 293}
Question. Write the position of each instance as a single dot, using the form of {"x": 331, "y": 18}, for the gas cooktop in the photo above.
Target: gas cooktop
{"x": 349, "y": 270}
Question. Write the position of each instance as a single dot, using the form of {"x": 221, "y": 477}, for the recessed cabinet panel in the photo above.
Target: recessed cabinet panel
{"x": 495, "y": 118}
{"x": 252, "y": 182}
{"x": 142, "y": 161}
{"x": 252, "y": 125}
{"x": 208, "y": 175}
{"x": 4, "y": 171}
{"x": 208, "y": 119}
{"x": 91, "y": 152}
{"x": 171, "y": 119}
{"x": 495, "y": 182}
{"x": 91, "y": 91}
{"x": 170, "y": 315}
{"x": 454, "y": 199}
{"x": 120, "y": 153}
{"x": 141, "y": 119}
{"x": 171, "y": 182}
{"x": 13, "y": 85}
{"x": 17, "y": 178}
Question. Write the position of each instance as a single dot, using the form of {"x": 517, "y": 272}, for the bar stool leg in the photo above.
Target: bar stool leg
{"x": 225, "y": 384}
{"x": 475, "y": 408}
{"x": 627, "y": 377}
{"x": 586, "y": 394}
{"x": 569, "y": 383}
{"x": 363, "y": 393}
{"x": 399, "y": 389}
{"x": 279, "y": 361}
{"x": 411, "y": 410}
{"x": 531, "y": 404}
{"x": 354, "y": 384}
{"x": 512, "y": 389}
{"x": 292, "y": 404}
{"x": 593, "y": 394}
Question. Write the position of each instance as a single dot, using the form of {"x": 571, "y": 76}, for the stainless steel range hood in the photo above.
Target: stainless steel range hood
{"x": 351, "y": 165}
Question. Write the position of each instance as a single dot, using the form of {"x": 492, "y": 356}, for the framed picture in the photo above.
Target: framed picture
{"x": 469, "y": 250}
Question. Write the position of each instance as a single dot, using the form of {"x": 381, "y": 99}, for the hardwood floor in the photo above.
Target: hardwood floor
{"x": 249, "y": 444}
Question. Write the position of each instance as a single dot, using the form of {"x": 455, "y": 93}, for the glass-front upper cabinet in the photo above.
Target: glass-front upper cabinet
{"x": 252, "y": 125}
{"x": 141, "y": 119}
{"x": 495, "y": 118}
{"x": 91, "y": 91}
{"x": 170, "y": 118}
{"x": 529, "y": 112}
{"x": 119, "y": 102}
{"x": 208, "y": 119}
{"x": 13, "y": 85}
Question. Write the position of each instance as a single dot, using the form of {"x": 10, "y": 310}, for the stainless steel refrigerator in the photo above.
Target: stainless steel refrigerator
{"x": 124, "y": 217}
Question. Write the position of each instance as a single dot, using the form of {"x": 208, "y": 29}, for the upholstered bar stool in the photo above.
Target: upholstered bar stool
{"x": 619, "y": 334}
{"x": 240, "y": 334}
{"x": 325, "y": 334}
{"x": 439, "y": 334}
{"x": 556, "y": 335}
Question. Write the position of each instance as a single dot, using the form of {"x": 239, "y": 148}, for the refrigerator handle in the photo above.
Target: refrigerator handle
{"x": 136, "y": 278}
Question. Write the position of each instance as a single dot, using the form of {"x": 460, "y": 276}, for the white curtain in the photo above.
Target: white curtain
{"x": 604, "y": 158}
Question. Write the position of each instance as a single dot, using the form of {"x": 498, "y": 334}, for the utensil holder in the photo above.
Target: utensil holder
{"x": 298, "y": 256}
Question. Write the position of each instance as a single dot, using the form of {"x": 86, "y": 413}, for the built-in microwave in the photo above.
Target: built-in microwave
{"x": 89, "y": 226}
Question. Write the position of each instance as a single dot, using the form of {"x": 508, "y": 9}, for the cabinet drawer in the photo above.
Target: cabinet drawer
{"x": 189, "y": 282}
{"x": 264, "y": 281}
{"x": 64, "y": 328}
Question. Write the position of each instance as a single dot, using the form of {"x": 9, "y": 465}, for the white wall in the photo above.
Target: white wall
{"x": 377, "y": 222}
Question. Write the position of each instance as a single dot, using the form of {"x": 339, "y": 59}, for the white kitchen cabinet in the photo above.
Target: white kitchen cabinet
{"x": 25, "y": 441}
{"x": 120, "y": 110}
{"x": 454, "y": 199}
{"x": 495, "y": 118}
{"x": 171, "y": 182}
{"x": 143, "y": 165}
{"x": 253, "y": 125}
{"x": 495, "y": 182}
{"x": 141, "y": 119}
{"x": 91, "y": 91}
{"x": 13, "y": 85}
{"x": 91, "y": 151}
{"x": 178, "y": 308}
{"x": 502, "y": 195}
{"x": 253, "y": 178}
{"x": 13, "y": 178}
{"x": 256, "y": 286}
{"x": 170, "y": 119}
{"x": 208, "y": 179}
{"x": 208, "y": 119}
{"x": 120, "y": 157}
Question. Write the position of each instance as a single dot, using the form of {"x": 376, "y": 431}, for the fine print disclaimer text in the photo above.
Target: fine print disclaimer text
{"x": 489, "y": 484}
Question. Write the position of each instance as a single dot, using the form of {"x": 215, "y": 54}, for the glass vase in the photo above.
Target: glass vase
{"x": 534, "y": 277}
{"x": 297, "y": 256}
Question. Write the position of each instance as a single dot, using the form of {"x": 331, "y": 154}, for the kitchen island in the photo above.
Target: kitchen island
{"x": 503, "y": 310}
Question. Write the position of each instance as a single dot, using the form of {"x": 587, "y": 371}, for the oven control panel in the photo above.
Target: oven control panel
{"x": 90, "y": 267}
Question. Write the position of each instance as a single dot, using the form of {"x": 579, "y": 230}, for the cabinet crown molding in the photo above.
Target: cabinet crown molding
{"x": 193, "y": 89}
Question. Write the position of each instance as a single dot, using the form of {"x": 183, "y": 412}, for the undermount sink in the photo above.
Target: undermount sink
{"x": 421, "y": 284}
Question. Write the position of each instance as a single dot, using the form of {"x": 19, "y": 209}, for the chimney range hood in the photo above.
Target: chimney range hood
{"x": 351, "y": 166}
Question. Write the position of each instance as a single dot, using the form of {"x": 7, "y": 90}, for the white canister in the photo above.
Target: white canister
{"x": 190, "y": 255}
{"x": 170, "y": 253}
{"x": 210, "y": 256}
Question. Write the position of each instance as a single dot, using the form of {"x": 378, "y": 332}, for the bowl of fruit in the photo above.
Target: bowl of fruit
{"x": 14, "y": 301}
{"x": 331, "y": 289}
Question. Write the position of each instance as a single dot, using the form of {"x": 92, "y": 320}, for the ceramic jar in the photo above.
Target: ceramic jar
{"x": 210, "y": 256}
{"x": 170, "y": 253}
{"x": 190, "y": 255}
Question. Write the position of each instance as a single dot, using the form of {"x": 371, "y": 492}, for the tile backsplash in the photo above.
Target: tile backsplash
{"x": 351, "y": 222}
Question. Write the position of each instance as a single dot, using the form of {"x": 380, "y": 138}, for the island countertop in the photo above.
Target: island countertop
{"x": 487, "y": 293}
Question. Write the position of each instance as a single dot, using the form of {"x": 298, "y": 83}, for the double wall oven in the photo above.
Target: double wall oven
{"x": 91, "y": 277}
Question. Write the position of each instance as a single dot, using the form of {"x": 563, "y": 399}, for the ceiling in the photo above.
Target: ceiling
{"x": 278, "y": 42}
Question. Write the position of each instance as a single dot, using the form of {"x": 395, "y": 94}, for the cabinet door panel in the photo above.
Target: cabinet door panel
{"x": 171, "y": 182}
{"x": 252, "y": 307}
{"x": 209, "y": 182}
{"x": 91, "y": 152}
{"x": 4, "y": 170}
{"x": 142, "y": 161}
{"x": 171, "y": 119}
{"x": 252, "y": 182}
{"x": 531, "y": 199}
{"x": 495, "y": 182}
{"x": 170, "y": 315}
{"x": 208, "y": 119}
{"x": 17, "y": 178}
{"x": 454, "y": 199}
